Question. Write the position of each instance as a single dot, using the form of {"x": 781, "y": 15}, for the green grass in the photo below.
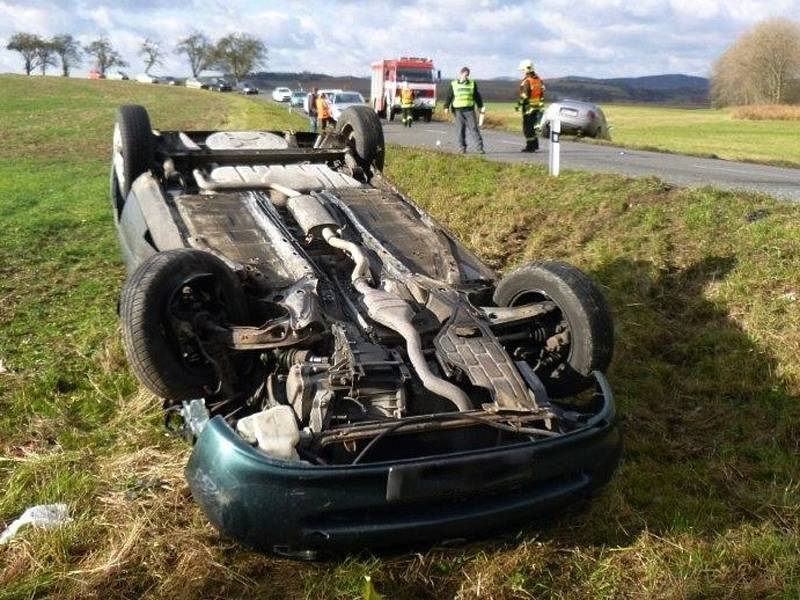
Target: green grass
{"x": 702, "y": 132}
{"x": 707, "y": 374}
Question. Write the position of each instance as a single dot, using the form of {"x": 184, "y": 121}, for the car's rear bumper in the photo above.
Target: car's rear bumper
{"x": 300, "y": 509}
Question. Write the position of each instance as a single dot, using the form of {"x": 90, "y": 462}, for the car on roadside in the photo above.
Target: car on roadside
{"x": 247, "y": 88}
{"x": 147, "y": 78}
{"x": 339, "y": 101}
{"x": 117, "y": 76}
{"x": 349, "y": 374}
{"x": 281, "y": 94}
{"x": 196, "y": 83}
{"x": 577, "y": 118}
{"x": 219, "y": 85}
{"x": 298, "y": 99}
{"x": 168, "y": 80}
{"x": 95, "y": 74}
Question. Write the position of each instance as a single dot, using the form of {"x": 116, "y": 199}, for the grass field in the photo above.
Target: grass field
{"x": 705, "y": 292}
{"x": 703, "y": 132}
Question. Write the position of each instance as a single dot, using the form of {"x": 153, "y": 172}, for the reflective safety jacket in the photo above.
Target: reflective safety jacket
{"x": 463, "y": 93}
{"x": 406, "y": 98}
{"x": 531, "y": 93}
{"x": 323, "y": 112}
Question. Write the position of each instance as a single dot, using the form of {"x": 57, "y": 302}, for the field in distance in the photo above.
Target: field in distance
{"x": 695, "y": 131}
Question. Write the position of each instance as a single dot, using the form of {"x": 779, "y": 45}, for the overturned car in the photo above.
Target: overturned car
{"x": 349, "y": 374}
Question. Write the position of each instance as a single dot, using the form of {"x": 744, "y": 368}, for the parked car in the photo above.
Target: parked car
{"x": 350, "y": 375}
{"x": 196, "y": 83}
{"x": 281, "y": 94}
{"x": 577, "y": 117}
{"x": 340, "y": 101}
{"x": 118, "y": 76}
{"x": 247, "y": 88}
{"x": 146, "y": 78}
{"x": 298, "y": 98}
{"x": 167, "y": 80}
{"x": 95, "y": 74}
{"x": 219, "y": 85}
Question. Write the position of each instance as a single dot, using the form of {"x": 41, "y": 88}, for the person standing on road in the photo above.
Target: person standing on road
{"x": 311, "y": 110}
{"x": 463, "y": 97}
{"x": 531, "y": 103}
{"x": 323, "y": 113}
{"x": 407, "y": 104}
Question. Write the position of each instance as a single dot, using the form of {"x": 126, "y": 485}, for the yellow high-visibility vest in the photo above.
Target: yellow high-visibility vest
{"x": 463, "y": 94}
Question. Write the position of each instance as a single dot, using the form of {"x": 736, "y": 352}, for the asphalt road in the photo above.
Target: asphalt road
{"x": 677, "y": 169}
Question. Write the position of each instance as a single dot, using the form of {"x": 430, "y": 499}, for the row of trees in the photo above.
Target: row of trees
{"x": 236, "y": 53}
{"x": 761, "y": 67}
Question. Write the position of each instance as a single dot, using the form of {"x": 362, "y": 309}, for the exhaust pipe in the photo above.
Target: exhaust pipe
{"x": 395, "y": 313}
{"x": 382, "y": 307}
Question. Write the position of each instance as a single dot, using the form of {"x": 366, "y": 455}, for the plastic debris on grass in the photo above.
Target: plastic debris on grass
{"x": 46, "y": 516}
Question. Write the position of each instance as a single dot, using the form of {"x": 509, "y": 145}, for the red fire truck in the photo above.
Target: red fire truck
{"x": 387, "y": 81}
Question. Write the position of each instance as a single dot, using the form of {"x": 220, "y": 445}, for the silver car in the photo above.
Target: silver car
{"x": 338, "y": 101}
{"x": 577, "y": 117}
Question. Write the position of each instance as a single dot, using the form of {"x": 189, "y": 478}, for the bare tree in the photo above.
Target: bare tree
{"x": 198, "y": 49}
{"x": 105, "y": 56}
{"x": 46, "y": 56}
{"x": 68, "y": 51}
{"x": 152, "y": 54}
{"x": 761, "y": 67}
{"x": 27, "y": 44}
{"x": 239, "y": 54}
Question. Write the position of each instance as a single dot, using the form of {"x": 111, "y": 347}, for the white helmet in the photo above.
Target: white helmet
{"x": 526, "y": 65}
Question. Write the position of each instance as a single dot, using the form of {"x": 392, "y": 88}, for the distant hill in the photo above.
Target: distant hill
{"x": 672, "y": 89}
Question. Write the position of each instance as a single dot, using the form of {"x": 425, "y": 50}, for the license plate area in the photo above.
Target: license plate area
{"x": 458, "y": 477}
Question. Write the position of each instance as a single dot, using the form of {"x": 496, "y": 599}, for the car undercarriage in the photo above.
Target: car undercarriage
{"x": 346, "y": 368}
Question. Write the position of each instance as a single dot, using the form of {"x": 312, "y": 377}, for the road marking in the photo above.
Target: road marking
{"x": 434, "y": 131}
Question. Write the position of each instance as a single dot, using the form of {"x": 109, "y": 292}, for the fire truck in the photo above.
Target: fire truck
{"x": 387, "y": 81}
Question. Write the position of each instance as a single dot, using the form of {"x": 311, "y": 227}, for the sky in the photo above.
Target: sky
{"x": 595, "y": 38}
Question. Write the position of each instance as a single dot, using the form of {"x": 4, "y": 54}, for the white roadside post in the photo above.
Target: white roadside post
{"x": 555, "y": 147}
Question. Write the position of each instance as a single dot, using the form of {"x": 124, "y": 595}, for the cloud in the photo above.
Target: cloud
{"x": 593, "y": 37}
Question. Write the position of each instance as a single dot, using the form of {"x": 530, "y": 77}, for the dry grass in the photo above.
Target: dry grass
{"x": 767, "y": 112}
{"x": 707, "y": 377}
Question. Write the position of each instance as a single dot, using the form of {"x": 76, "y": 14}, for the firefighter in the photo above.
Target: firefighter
{"x": 463, "y": 96}
{"x": 531, "y": 103}
{"x": 407, "y": 104}
{"x": 323, "y": 113}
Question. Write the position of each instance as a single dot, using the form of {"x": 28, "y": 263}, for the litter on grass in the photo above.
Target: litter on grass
{"x": 46, "y": 516}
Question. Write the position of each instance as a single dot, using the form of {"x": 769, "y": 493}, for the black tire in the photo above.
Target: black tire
{"x": 362, "y": 129}
{"x": 428, "y": 116}
{"x": 585, "y": 311}
{"x": 391, "y": 113}
{"x": 146, "y": 333}
{"x": 134, "y": 141}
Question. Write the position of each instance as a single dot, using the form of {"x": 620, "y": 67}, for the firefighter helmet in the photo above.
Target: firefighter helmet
{"x": 526, "y": 65}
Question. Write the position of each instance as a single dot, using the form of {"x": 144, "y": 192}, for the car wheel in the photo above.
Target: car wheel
{"x": 162, "y": 354}
{"x": 133, "y": 146}
{"x": 581, "y": 328}
{"x": 428, "y": 116}
{"x": 390, "y": 113}
{"x": 362, "y": 131}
